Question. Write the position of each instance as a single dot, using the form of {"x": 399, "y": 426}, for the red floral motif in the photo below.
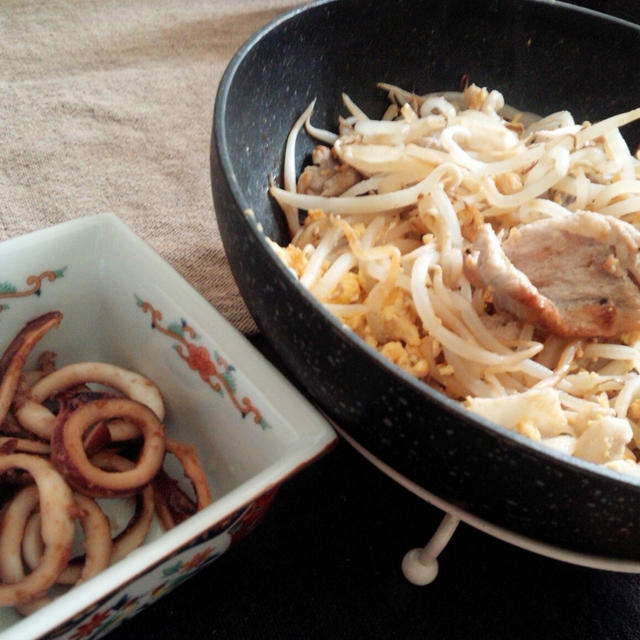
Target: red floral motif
{"x": 253, "y": 516}
{"x": 199, "y": 360}
{"x": 92, "y": 624}
{"x": 197, "y": 559}
{"x": 7, "y": 290}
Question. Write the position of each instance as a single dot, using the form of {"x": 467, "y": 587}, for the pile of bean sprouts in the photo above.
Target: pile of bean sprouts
{"x": 386, "y": 256}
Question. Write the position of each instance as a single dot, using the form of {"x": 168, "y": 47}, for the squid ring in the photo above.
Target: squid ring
{"x": 23, "y": 503}
{"x": 136, "y": 531}
{"x": 58, "y": 510}
{"x": 69, "y": 457}
{"x": 172, "y": 504}
{"x": 9, "y": 444}
{"x": 188, "y": 457}
{"x": 125, "y": 542}
{"x": 16, "y": 354}
{"x": 97, "y": 543}
{"x": 35, "y": 417}
{"x": 121, "y": 430}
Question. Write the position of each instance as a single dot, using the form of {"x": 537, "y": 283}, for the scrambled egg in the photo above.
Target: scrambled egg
{"x": 347, "y": 291}
{"x": 393, "y": 330}
{"x": 397, "y": 320}
{"x": 313, "y": 215}
{"x": 508, "y": 183}
{"x": 470, "y": 221}
{"x": 292, "y": 256}
{"x": 406, "y": 358}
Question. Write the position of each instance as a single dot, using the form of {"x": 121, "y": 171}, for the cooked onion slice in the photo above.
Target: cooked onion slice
{"x": 16, "y": 354}
{"x": 33, "y": 415}
{"x": 69, "y": 457}
{"x": 58, "y": 510}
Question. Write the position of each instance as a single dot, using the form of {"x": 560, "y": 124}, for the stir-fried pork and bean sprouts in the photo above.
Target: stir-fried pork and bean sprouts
{"x": 490, "y": 253}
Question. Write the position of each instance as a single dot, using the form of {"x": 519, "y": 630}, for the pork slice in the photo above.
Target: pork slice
{"x": 326, "y": 176}
{"x": 577, "y": 276}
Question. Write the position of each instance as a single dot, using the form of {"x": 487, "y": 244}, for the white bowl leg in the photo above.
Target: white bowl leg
{"x": 420, "y": 565}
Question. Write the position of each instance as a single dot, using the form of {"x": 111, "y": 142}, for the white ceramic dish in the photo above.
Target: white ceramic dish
{"x": 122, "y": 303}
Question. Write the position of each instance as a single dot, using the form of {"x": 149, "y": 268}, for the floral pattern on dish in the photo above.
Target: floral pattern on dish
{"x": 217, "y": 372}
{"x": 33, "y": 286}
{"x": 105, "y": 615}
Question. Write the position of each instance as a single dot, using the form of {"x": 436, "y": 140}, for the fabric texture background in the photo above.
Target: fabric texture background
{"x": 108, "y": 106}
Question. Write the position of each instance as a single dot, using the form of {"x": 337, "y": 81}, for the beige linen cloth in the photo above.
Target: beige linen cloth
{"x": 107, "y": 106}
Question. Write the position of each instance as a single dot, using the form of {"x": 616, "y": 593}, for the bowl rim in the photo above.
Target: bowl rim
{"x": 220, "y": 147}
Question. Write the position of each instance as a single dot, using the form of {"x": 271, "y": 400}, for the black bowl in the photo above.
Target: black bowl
{"x": 542, "y": 57}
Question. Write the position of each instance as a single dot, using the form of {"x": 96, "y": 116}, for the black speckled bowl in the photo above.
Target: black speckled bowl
{"x": 543, "y": 57}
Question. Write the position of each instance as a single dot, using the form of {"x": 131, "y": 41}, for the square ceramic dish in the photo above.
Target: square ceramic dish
{"x": 123, "y": 304}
